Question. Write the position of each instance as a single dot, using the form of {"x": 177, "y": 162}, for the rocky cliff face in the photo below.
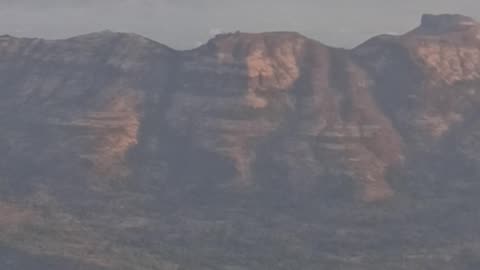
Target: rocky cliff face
{"x": 118, "y": 124}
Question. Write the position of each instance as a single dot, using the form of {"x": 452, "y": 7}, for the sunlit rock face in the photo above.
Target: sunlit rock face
{"x": 243, "y": 112}
{"x": 427, "y": 81}
{"x": 75, "y": 106}
{"x": 278, "y": 109}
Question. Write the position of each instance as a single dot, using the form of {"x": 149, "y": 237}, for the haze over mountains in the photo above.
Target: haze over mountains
{"x": 183, "y": 24}
{"x": 252, "y": 151}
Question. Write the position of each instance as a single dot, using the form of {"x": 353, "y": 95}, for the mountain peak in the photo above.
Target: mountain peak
{"x": 252, "y": 37}
{"x": 444, "y": 23}
{"x": 107, "y": 34}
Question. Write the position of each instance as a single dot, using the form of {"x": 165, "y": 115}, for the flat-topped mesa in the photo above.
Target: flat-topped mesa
{"x": 444, "y": 23}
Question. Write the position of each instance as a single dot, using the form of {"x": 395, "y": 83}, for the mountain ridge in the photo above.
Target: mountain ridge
{"x": 118, "y": 150}
{"x": 427, "y": 20}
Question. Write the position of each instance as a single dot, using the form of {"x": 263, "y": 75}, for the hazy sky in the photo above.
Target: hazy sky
{"x": 185, "y": 23}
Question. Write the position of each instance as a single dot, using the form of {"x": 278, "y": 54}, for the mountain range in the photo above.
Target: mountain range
{"x": 252, "y": 151}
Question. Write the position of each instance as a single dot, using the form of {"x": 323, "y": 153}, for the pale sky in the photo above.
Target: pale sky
{"x": 184, "y": 24}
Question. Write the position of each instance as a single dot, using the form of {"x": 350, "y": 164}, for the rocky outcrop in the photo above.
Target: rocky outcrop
{"x": 439, "y": 24}
{"x": 288, "y": 101}
{"x": 427, "y": 85}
